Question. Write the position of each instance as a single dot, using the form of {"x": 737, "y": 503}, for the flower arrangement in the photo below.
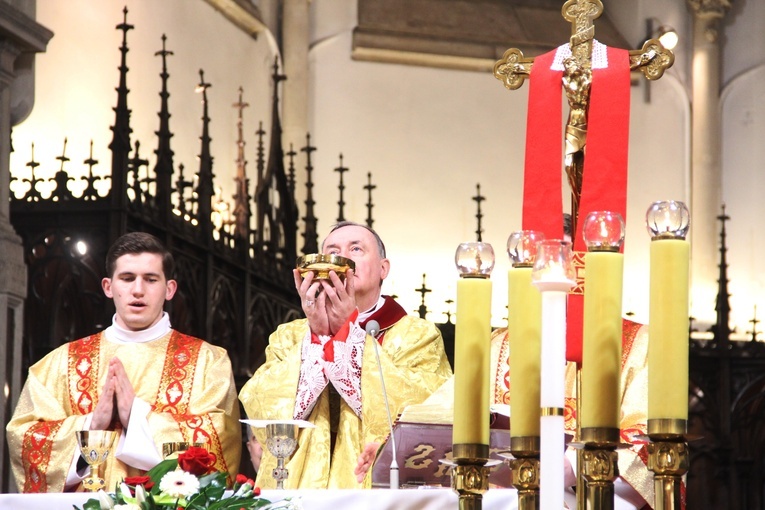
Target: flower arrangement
{"x": 188, "y": 482}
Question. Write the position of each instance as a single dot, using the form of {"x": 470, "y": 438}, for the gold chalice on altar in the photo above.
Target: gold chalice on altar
{"x": 321, "y": 264}
{"x": 281, "y": 441}
{"x": 173, "y": 449}
{"x": 95, "y": 448}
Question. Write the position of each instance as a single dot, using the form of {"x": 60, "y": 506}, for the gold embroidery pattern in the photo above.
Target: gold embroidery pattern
{"x": 629, "y": 332}
{"x": 200, "y": 429}
{"x": 578, "y": 263}
{"x": 177, "y": 374}
{"x": 569, "y": 414}
{"x": 502, "y": 376}
{"x": 83, "y": 374}
{"x": 175, "y": 392}
{"x": 35, "y": 454}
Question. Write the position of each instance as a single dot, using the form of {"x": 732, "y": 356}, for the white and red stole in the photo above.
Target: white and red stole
{"x": 604, "y": 182}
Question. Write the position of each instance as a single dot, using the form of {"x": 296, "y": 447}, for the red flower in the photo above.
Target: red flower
{"x": 197, "y": 461}
{"x": 256, "y": 491}
{"x": 139, "y": 480}
{"x": 241, "y": 479}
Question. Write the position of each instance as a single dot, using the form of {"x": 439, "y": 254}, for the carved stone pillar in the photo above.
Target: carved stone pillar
{"x": 20, "y": 38}
{"x": 706, "y": 166}
{"x": 13, "y": 272}
{"x": 295, "y": 33}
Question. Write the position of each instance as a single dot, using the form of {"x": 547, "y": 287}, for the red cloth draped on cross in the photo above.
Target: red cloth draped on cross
{"x": 604, "y": 180}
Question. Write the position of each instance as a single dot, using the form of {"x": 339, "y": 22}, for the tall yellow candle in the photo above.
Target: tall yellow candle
{"x": 668, "y": 325}
{"x": 524, "y": 330}
{"x": 602, "y": 339}
{"x": 472, "y": 357}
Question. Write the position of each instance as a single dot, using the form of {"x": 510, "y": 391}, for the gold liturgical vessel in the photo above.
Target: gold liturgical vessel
{"x": 173, "y": 449}
{"x": 281, "y": 441}
{"x": 322, "y": 263}
{"x": 95, "y": 447}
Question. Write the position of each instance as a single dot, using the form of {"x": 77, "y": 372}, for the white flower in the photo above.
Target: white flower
{"x": 286, "y": 504}
{"x": 127, "y": 506}
{"x": 179, "y": 484}
{"x": 125, "y": 490}
{"x": 140, "y": 494}
{"x": 105, "y": 501}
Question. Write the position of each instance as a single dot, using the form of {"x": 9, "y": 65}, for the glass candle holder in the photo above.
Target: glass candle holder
{"x": 553, "y": 266}
{"x": 603, "y": 231}
{"x": 474, "y": 260}
{"x": 522, "y": 247}
{"x": 668, "y": 219}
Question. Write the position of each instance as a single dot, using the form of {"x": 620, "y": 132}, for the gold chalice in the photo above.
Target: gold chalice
{"x": 281, "y": 441}
{"x": 95, "y": 447}
{"x": 321, "y": 264}
{"x": 173, "y": 449}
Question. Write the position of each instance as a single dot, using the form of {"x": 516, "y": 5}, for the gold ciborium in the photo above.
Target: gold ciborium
{"x": 321, "y": 264}
{"x": 173, "y": 449}
{"x": 281, "y": 441}
{"x": 95, "y": 448}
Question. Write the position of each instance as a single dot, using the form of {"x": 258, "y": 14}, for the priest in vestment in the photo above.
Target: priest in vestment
{"x": 323, "y": 368}
{"x": 139, "y": 376}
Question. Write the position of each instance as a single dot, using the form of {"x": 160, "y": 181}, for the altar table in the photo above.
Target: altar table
{"x": 373, "y": 499}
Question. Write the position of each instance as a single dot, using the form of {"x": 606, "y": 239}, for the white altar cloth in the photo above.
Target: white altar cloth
{"x": 373, "y": 499}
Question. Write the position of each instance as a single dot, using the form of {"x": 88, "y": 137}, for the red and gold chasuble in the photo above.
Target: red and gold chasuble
{"x": 82, "y": 381}
{"x": 174, "y": 397}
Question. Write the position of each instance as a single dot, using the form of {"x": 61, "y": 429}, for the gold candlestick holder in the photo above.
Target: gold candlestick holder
{"x": 668, "y": 458}
{"x": 470, "y": 473}
{"x": 599, "y": 467}
{"x": 524, "y": 464}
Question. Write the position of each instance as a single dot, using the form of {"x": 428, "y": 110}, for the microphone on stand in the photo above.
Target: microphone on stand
{"x": 372, "y": 329}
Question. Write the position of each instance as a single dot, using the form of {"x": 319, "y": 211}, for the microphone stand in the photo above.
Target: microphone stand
{"x": 372, "y": 329}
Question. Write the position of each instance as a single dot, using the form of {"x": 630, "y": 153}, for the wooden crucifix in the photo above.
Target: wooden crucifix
{"x": 513, "y": 69}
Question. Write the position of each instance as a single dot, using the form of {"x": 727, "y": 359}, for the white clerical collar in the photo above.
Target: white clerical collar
{"x": 365, "y": 315}
{"x": 116, "y": 334}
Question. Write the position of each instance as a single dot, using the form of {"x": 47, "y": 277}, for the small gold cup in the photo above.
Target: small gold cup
{"x": 95, "y": 447}
{"x": 321, "y": 264}
{"x": 281, "y": 441}
{"x": 173, "y": 449}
